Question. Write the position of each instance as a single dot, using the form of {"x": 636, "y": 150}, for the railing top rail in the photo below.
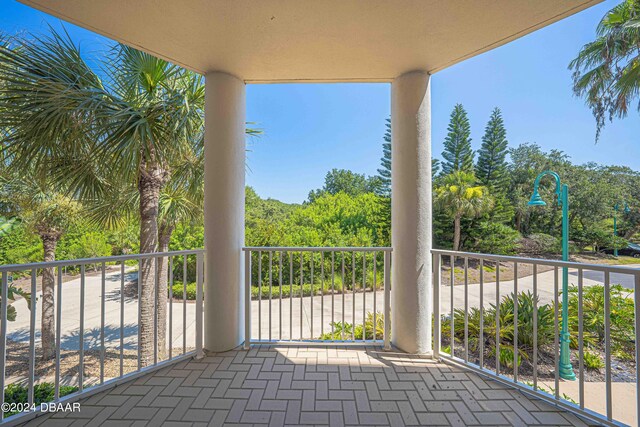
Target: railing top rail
{"x": 316, "y": 249}
{"x": 541, "y": 261}
{"x": 86, "y": 261}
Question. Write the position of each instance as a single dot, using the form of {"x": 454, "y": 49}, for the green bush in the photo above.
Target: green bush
{"x": 526, "y": 314}
{"x": 288, "y": 290}
{"x": 178, "y": 291}
{"x": 340, "y": 329}
{"x": 42, "y": 393}
{"x": 592, "y": 361}
{"x": 495, "y": 238}
{"x": 507, "y": 357}
{"x": 621, "y": 318}
{"x": 539, "y": 243}
{"x": 621, "y": 324}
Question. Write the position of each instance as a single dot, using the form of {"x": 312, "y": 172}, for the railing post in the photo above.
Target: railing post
{"x": 436, "y": 306}
{"x": 199, "y": 308}
{"x": 3, "y": 335}
{"x": 636, "y": 301}
{"x": 247, "y": 299}
{"x": 387, "y": 300}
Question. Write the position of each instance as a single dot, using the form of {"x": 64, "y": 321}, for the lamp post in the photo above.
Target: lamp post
{"x": 615, "y": 223}
{"x": 562, "y": 192}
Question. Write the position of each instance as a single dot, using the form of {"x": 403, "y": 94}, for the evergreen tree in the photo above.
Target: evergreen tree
{"x": 435, "y": 167}
{"x": 385, "y": 162}
{"x": 491, "y": 169}
{"x": 457, "y": 153}
{"x": 384, "y": 173}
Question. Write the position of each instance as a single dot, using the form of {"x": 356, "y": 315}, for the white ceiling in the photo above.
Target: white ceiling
{"x": 313, "y": 40}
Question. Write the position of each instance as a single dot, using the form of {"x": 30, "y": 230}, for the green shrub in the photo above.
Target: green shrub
{"x": 621, "y": 318}
{"x": 288, "y": 290}
{"x": 526, "y": 313}
{"x": 495, "y": 238}
{"x": 345, "y": 329}
{"x": 592, "y": 361}
{"x": 539, "y": 243}
{"x": 42, "y": 393}
{"x": 507, "y": 357}
{"x": 178, "y": 291}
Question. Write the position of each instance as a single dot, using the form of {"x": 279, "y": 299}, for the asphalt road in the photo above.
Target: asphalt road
{"x": 306, "y": 318}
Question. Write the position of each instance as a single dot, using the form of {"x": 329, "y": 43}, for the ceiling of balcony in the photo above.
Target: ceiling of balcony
{"x": 321, "y": 40}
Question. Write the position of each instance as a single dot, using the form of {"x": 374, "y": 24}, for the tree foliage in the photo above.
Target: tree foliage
{"x": 348, "y": 182}
{"x": 384, "y": 172}
{"x": 457, "y": 154}
{"x": 459, "y": 196}
{"x": 491, "y": 169}
{"x": 606, "y": 72}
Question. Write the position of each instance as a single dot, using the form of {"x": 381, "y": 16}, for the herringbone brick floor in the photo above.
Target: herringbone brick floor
{"x": 336, "y": 386}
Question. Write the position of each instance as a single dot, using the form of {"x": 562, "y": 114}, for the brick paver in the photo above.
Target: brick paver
{"x": 336, "y": 386}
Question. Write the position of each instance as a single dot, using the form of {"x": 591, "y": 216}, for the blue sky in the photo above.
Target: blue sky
{"x": 310, "y": 129}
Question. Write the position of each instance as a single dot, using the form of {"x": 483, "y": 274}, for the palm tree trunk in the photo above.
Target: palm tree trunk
{"x": 164, "y": 236}
{"x": 456, "y": 233}
{"x": 49, "y": 244}
{"x": 149, "y": 185}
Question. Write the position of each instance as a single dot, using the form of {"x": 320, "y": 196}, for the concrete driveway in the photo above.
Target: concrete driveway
{"x": 296, "y": 320}
{"x": 70, "y": 332}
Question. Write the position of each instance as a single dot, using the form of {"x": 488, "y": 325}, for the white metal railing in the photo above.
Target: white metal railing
{"x": 90, "y": 290}
{"x": 489, "y": 364}
{"x": 336, "y": 295}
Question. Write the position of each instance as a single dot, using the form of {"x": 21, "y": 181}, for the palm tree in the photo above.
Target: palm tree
{"x": 129, "y": 125}
{"x": 606, "y": 71}
{"x": 131, "y": 143}
{"x": 31, "y": 196}
{"x": 459, "y": 197}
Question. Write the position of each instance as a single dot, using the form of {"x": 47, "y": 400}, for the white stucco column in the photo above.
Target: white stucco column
{"x": 224, "y": 171}
{"x": 411, "y": 278}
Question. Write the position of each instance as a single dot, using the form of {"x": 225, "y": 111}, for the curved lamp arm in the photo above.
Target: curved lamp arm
{"x": 536, "y": 184}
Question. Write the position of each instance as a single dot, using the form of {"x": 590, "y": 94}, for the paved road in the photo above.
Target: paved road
{"x": 545, "y": 287}
{"x": 70, "y": 332}
{"x": 291, "y": 309}
{"x": 310, "y": 318}
{"x": 625, "y": 280}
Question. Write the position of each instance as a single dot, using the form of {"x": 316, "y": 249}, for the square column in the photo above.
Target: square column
{"x": 411, "y": 216}
{"x": 224, "y": 174}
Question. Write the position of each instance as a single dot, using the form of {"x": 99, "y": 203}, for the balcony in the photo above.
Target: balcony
{"x": 319, "y": 349}
{"x": 318, "y": 385}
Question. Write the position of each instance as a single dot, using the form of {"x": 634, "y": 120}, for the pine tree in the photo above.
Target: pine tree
{"x": 435, "y": 167}
{"x": 457, "y": 153}
{"x": 385, "y": 171}
{"x": 491, "y": 169}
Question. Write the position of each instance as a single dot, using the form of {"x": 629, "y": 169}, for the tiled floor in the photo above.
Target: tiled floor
{"x": 311, "y": 386}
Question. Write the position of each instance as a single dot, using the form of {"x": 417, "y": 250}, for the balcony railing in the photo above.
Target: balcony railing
{"x": 317, "y": 295}
{"x": 98, "y": 321}
{"x": 311, "y": 296}
{"x": 462, "y": 334}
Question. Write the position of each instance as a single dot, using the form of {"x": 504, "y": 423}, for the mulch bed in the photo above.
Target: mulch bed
{"x": 18, "y": 362}
{"x": 621, "y": 370}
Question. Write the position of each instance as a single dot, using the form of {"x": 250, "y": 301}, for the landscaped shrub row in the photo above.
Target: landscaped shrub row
{"x": 42, "y": 393}
{"x": 178, "y": 291}
{"x": 286, "y": 290}
{"x": 346, "y": 331}
{"x": 621, "y": 318}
